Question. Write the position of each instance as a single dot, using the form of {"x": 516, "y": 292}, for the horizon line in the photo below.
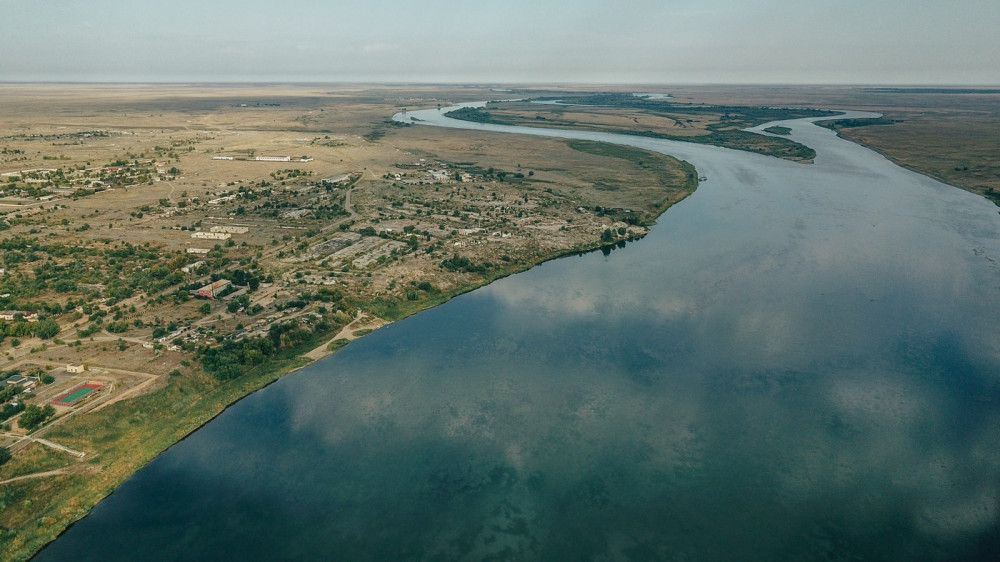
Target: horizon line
{"x": 943, "y": 85}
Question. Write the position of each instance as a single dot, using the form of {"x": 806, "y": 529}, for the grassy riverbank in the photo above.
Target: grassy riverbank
{"x": 627, "y": 115}
{"x": 130, "y": 434}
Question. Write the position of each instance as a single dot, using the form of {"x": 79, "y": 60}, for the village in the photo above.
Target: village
{"x": 151, "y": 274}
{"x": 172, "y": 261}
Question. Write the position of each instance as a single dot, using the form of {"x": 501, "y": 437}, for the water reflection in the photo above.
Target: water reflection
{"x": 795, "y": 365}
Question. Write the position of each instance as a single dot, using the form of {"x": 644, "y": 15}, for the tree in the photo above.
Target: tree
{"x": 205, "y": 308}
{"x": 4, "y": 455}
{"x": 34, "y": 416}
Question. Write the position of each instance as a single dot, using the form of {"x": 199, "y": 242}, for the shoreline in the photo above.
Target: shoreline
{"x": 234, "y": 392}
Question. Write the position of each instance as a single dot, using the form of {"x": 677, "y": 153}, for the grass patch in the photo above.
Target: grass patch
{"x": 778, "y": 130}
{"x": 676, "y": 179}
{"x": 836, "y": 124}
{"x": 34, "y": 458}
{"x": 337, "y": 344}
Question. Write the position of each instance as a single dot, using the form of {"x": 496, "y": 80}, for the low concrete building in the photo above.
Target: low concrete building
{"x": 191, "y": 267}
{"x": 220, "y": 200}
{"x": 12, "y": 315}
{"x": 230, "y": 229}
{"x": 25, "y": 382}
{"x": 213, "y": 290}
{"x": 75, "y": 368}
{"x": 198, "y": 250}
{"x": 212, "y": 235}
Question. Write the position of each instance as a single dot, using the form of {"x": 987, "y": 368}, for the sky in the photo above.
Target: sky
{"x": 891, "y": 42}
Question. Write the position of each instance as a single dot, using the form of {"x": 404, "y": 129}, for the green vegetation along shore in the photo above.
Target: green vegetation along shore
{"x": 716, "y": 125}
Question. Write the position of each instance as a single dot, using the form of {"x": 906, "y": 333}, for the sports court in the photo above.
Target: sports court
{"x": 77, "y": 394}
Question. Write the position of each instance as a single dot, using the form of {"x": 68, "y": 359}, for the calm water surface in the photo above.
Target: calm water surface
{"x": 801, "y": 362}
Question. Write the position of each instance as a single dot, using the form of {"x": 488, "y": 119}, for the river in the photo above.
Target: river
{"x": 800, "y": 362}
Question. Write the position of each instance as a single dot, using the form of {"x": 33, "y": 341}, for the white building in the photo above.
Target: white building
{"x": 75, "y": 368}
{"x": 221, "y": 199}
{"x": 10, "y": 315}
{"x": 230, "y": 229}
{"x": 198, "y": 250}
{"x": 193, "y": 266}
{"x": 212, "y": 235}
{"x": 273, "y": 158}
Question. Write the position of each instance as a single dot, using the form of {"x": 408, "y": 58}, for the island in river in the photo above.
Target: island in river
{"x": 318, "y": 217}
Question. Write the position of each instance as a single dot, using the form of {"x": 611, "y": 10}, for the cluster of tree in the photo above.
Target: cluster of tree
{"x": 7, "y": 393}
{"x": 425, "y": 286}
{"x": 476, "y": 115}
{"x": 289, "y": 174}
{"x": 35, "y": 416}
{"x": 852, "y": 123}
{"x": 330, "y": 212}
{"x": 610, "y": 235}
{"x": 232, "y": 359}
{"x": 10, "y": 409}
{"x": 160, "y": 331}
{"x": 44, "y": 329}
{"x": 462, "y": 263}
{"x": 242, "y": 278}
{"x": 124, "y": 270}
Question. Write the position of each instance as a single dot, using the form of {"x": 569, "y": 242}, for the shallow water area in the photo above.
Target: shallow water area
{"x": 800, "y": 362}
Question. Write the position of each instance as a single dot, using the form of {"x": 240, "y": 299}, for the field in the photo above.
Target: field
{"x": 119, "y": 203}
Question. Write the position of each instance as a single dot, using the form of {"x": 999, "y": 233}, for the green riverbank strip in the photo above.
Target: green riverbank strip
{"x": 726, "y": 137}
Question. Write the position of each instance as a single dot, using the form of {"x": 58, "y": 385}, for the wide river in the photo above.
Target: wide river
{"x": 800, "y": 362}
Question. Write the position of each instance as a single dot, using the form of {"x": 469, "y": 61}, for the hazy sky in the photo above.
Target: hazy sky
{"x": 652, "y": 41}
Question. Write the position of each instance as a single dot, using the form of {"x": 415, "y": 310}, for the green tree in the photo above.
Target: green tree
{"x": 4, "y": 455}
{"x": 34, "y": 416}
{"x": 46, "y": 329}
